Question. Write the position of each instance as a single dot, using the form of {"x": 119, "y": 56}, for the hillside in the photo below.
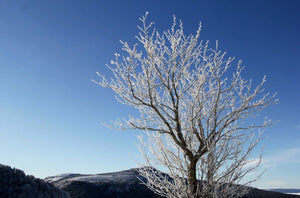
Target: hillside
{"x": 124, "y": 184}
{"x": 121, "y": 184}
{"x": 15, "y": 184}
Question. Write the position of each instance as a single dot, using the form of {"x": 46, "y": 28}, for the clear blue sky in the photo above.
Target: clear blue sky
{"x": 51, "y": 113}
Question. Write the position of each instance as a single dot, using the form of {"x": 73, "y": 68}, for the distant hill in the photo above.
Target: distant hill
{"x": 124, "y": 184}
{"x": 15, "y": 184}
{"x": 286, "y": 190}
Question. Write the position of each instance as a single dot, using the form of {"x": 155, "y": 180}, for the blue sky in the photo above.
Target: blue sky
{"x": 51, "y": 112}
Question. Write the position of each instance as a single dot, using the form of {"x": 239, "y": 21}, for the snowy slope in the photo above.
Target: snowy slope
{"x": 123, "y": 184}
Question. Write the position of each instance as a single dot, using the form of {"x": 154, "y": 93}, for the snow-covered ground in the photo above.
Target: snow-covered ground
{"x": 59, "y": 177}
{"x": 121, "y": 176}
{"x": 105, "y": 177}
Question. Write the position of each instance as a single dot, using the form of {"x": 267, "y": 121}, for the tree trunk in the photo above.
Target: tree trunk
{"x": 209, "y": 190}
{"x": 192, "y": 179}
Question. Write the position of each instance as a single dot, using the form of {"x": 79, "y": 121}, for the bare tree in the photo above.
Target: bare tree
{"x": 194, "y": 108}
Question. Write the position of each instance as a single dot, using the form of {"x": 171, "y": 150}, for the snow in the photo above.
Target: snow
{"x": 122, "y": 176}
{"x": 58, "y": 177}
{"x": 105, "y": 177}
{"x": 293, "y": 193}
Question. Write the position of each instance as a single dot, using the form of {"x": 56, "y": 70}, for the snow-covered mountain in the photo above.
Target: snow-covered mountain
{"x": 124, "y": 184}
{"x": 121, "y": 177}
{"x": 108, "y": 185}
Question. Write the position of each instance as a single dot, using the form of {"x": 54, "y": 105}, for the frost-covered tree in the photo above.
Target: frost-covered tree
{"x": 195, "y": 109}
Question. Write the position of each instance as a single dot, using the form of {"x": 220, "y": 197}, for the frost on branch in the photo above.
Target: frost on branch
{"x": 195, "y": 109}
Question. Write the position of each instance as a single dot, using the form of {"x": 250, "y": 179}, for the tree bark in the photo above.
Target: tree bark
{"x": 209, "y": 176}
{"x": 192, "y": 179}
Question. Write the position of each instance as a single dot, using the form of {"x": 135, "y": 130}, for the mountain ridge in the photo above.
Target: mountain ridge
{"x": 120, "y": 184}
{"x": 125, "y": 184}
{"x": 286, "y": 190}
